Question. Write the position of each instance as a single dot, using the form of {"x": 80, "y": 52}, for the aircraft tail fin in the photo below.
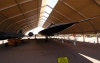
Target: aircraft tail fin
{"x": 20, "y": 31}
{"x": 50, "y": 25}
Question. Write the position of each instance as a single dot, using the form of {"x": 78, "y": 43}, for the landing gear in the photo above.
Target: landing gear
{"x": 46, "y": 40}
{"x": 16, "y": 44}
{"x": 35, "y": 37}
{"x": 6, "y": 44}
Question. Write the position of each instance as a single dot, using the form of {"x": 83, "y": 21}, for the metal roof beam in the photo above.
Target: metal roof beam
{"x": 79, "y": 14}
{"x": 18, "y": 22}
{"x": 16, "y": 5}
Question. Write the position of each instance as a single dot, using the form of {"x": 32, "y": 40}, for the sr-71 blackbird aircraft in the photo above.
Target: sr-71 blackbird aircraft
{"x": 49, "y": 31}
{"x": 13, "y": 38}
{"x": 55, "y": 28}
{"x": 9, "y": 35}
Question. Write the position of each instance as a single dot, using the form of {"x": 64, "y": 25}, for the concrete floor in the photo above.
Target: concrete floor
{"x": 39, "y": 51}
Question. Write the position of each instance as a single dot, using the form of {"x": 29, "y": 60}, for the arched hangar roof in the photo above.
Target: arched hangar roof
{"x": 25, "y": 14}
{"x": 19, "y": 14}
{"x": 77, "y": 10}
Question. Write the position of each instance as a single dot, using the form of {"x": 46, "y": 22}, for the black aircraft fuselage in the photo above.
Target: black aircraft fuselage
{"x": 9, "y": 35}
{"x": 51, "y": 30}
{"x": 55, "y": 28}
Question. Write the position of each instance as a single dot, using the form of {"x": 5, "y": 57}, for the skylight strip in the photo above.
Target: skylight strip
{"x": 52, "y": 4}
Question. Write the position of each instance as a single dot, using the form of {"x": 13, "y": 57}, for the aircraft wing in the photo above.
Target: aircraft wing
{"x": 9, "y": 35}
{"x": 56, "y": 28}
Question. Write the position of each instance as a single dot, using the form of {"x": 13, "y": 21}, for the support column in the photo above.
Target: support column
{"x": 83, "y": 38}
{"x": 97, "y": 38}
{"x": 65, "y": 37}
{"x": 2, "y": 41}
{"x": 68, "y": 37}
{"x": 35, "y": 37}
{"x": 74, "y": 39}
